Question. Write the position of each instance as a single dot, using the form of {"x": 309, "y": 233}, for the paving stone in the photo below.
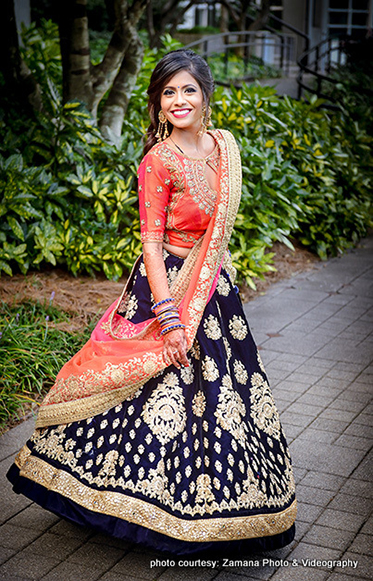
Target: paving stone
{"x": 336, "y": 414}
{"x": 101, "y": 558}
{"x": 6, "y": 553}
{"x": 11, "y": 504}
{"x": 308, "y": 513}
{"x": 341, "y": 520}
{"x": 364, "y": 567}
{"x": 355, "y": 396}
{"x": 319, "y": 479}
{"x": 322, "y": 536}
{"x": 336, "y": 576}
{"x": 302, "y": 408}
{"x": 301, "y": 528}
{"x": 358, "y": 488}
{"x": 362, "y": 545}
{"x": 299, "y": 474}
{"x": 299, "y": 574}
{"x": 365, "y": 419}
{"x": 306, "y": 551}
{"x": 101, "y": 539}
{"x": 34, "y": 517}
{"x": 222, "y": 576}
{"x": 187, "y": 573}
{"x": 67, "y": 571}
{"x": 354, "y": 442}
{"x": 368, "y": 527}
{"x": 58, "y": 546}
{"x": 312, "y": 495}
{"x": 315, "y": 399}
{"x": 293, "y": 419}
{"x": 317, "y": 436}
{"x": 17, "y": 537}
{"x": 109, "y": 576}
{"x": 365, "y": 470}
{"x": 30, "y": 567}
{"x": 290, "y": 431}
{"x": 358, "y": 430}
{"x": 64, "y": 527}
{"x": 294, "y": 386}
{"x": 329, "y": 425}
{"x": 347, "y": 405}
{"x": 139, "y": 564}
{"x": 326, "y": 458}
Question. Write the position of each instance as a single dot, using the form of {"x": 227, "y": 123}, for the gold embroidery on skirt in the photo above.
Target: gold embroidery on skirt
{"x": 143, "y": 513}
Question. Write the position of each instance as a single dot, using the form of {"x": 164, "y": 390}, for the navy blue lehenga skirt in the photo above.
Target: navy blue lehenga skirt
{"x": 195, "y": 450}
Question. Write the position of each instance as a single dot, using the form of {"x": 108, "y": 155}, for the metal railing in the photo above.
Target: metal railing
{"x": 319, "y": 62}
{"x": 272, "y": 48}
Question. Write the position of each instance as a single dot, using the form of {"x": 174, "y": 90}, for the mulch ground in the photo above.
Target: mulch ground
{"x": 84, "y": 297}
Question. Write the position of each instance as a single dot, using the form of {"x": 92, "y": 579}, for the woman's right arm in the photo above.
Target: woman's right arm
{"x": 154, "y": 193}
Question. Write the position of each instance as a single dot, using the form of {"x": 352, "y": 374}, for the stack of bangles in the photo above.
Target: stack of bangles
{"x": 167, "y": 315}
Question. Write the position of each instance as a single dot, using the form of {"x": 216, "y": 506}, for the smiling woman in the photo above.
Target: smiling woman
{"x": 162, "y": 430}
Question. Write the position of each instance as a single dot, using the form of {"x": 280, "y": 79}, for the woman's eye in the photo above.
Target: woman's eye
{"x": 168, "y": 92}
{"x": 190, "y": 90}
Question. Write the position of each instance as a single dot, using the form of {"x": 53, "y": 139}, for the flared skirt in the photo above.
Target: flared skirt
{"x": 195, "y": 460}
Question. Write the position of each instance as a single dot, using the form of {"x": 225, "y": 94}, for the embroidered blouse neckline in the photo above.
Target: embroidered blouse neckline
{"x": 214, "y": 151}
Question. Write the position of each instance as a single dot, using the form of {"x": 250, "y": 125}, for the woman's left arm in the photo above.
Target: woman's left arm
{"x": 174, "y": 342}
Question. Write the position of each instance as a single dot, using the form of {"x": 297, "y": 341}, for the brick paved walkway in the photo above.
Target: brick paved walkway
{"x": 315, "y": 332}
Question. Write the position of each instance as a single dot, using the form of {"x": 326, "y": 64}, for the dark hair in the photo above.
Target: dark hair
{"x": 171, "y": 64}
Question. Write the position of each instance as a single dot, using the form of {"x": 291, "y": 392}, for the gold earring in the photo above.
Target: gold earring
{"x": 205, "y": 120}
{"x": 162, "y": 130}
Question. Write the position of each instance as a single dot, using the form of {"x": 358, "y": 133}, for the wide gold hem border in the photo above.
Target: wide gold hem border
{"x": 142, "y": 513}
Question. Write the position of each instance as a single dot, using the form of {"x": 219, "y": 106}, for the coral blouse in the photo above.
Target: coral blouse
{"x": 176, "y": 201}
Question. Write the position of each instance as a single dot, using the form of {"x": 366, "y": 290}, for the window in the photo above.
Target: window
{"x": 348, "y": 17}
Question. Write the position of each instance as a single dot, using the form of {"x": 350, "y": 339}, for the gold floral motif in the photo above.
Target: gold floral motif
{"x": 195, "y": 350}
{"x": 231, "y": 410}
{"x": 210, "y": 370}
{"x": 263, "y": 409}
{"x": 204, "y": 489}
{"x": 240, "y": 372}
{"x": 172, "y": 275}
{"x": 187, "y": 374}
{"x": 238, "y": 327}
{"x": 199, "y": 404}
{"x": 223, "y": 287}
{"x": 164, "y": 412}
{"x": 212, "y": 328}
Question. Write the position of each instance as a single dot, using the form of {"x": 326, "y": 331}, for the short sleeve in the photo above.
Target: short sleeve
{"x": 154, "y": 192}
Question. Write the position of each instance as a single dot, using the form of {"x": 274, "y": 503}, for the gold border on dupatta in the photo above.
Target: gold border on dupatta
{"x": 140, "y": 512}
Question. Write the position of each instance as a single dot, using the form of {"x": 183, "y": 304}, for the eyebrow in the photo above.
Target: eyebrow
{"x": 183, "y": 87}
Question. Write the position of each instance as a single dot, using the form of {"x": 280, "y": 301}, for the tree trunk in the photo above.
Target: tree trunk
{"x": 150, "y": 24}
{"x": 116, "y": 105}
{"x": 262, "y": 17}
{"x": 74, "y": 42}
{"x": 20, "y": 85}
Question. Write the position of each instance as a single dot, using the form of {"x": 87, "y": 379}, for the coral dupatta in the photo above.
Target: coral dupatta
{"x": 121, "y": 356}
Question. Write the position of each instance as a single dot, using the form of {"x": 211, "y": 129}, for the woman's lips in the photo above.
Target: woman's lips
{"x": 180, "y": 113}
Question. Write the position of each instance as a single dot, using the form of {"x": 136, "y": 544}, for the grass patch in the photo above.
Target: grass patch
{"x": 32, "y": 351}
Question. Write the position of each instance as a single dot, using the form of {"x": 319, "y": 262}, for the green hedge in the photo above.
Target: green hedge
{"x": 69, "y": 198}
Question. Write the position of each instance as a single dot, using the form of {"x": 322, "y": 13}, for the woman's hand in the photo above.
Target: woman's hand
{"x": 175, "y": 348}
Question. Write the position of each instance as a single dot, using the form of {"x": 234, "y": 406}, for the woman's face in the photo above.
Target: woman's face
{"x": 182, "y": 101}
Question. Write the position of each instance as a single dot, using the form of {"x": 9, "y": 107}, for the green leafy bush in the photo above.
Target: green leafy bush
{"x": 67, "y": 197}
{"x": 305, "y": 173}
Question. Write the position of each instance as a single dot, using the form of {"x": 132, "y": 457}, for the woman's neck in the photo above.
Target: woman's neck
{"x": 190, "y": 142}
